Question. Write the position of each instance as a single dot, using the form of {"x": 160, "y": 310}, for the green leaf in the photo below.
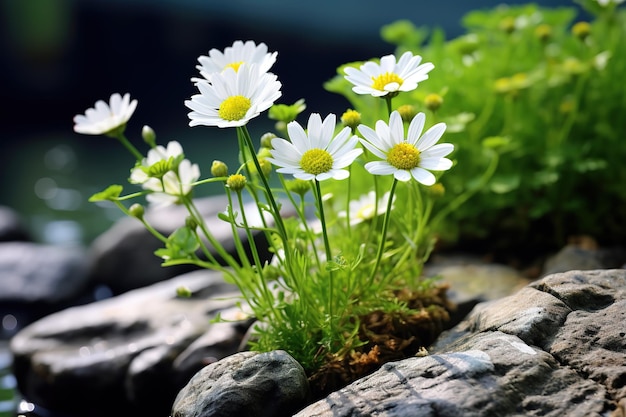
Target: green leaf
{"x": 112, "y": 193}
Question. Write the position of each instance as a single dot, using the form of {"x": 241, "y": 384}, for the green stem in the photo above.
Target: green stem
{"x": 268, "y": 192}
{"x": 130, "y": 147}
{"x": 383, "y": 234}
{"x": 320, "y": 207}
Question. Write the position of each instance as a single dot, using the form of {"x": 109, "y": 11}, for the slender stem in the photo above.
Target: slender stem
{"x": 320, "y": 207}
{"x": 129, "y": 146}
{"x": 279, "y": 221}
{"x": 383, "y": 234}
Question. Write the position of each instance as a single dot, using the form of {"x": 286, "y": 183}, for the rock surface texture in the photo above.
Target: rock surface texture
{"x": 555, "y": 348}
{"x": 251, "y": 384}
{"x": 127, "y": 355}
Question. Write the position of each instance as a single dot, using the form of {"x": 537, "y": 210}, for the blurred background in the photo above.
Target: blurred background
{"x": 57, "y": 57}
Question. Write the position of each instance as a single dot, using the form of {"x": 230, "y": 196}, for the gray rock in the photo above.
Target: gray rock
{"x": 246, "y": 384}
{"x": 584, "y": 258}
{"x": 484, "y": 374}
{"x": 555, "y": 348}
{"x": 12, "y": 226}
{"x": 116, "y": 356}
{"x": 41, "y": 274}
{"x": 473, "y": 281}
{"x": 123, "y": 256}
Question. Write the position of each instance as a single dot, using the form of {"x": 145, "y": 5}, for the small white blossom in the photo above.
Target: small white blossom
{"x": 406, "y": 157}
{"x": 104, "y": 118}
{"x": 389, "y": 76}
{"x": 317, "y": 153}
{"x": 232, "y": 97}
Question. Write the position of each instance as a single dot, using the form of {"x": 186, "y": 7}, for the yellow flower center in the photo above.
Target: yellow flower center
{"x": 379, "y": 83}
{"x": 316, "y": 161}
{"x": 234, "y": 108}
{"x": 366, "y": 212}
{"x": 234, "y": 65}
{"x": 404, "y": 156}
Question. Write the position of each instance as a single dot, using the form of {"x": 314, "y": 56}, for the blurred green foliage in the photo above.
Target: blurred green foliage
{"x": 534, "y": 104}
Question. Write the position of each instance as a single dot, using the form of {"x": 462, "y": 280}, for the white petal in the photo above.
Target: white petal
{"x": 431, "y": 137}
{"x": 423, "y": 176}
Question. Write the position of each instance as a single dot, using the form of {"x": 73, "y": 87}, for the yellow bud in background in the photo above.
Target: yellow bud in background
{"x": 407, "y": 112}
{"x": 219, "y": 169}
{"x": 433, "y": 102}
{"x": 543, "y": 32}
{"x": 581, "y": 30}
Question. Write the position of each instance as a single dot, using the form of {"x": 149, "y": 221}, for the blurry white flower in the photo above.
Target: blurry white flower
{"x": 410, "y": 157}
{"x": 232, "y": 97}
{"x": 317, "y": 153}
{"x": 165, "y": 173}
{"x": 389, "y": 76}
{"x": 105, "y": 118}
{"x": 365, "y": 207}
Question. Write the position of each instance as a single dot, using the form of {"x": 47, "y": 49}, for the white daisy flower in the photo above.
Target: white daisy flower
{"x": 389, "y": 76}
{"x": 410, "y": 157}
{"x": 365, "y": 208}
{"x": 167, "y": 187}
{"x": 105, "y": 118}
{"x": 317, "y": 153}
{"x": 232, "y": 97}
{"x": 234, "y": 56}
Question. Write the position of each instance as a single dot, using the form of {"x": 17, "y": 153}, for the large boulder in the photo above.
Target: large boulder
{"x": 123, "y": 256}
{"x": 118, "y": 356}
{"x": 555, "y": 348}
{"x": 38, "y": 279}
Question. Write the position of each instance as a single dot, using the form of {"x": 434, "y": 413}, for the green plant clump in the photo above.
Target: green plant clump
{"x": 534, "y": 104}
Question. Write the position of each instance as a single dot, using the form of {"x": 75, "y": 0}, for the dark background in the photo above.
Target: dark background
{"x": 57, "y": 57}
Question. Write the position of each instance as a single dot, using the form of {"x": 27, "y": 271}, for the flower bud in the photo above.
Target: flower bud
{"x": 266, "y": 140}
{"x": 407, "y": 112}
{"x": 581, "y": 30}
{"x": 436, "y": 190}
{"x": 191, "y": 223}
{"x": 219, "y": 169}
{"x": 543, "y": 32}
{"x": 183, "y": 292}
{"x": 148, "y": 136}
{"x": 236, "y": 182}
{"x": 137, "y": 211}
{"x": 507, "y": 25}
{"x": 300, "y": 187}
{"x": 433, "y": 102}
{"x": 266, "y": 166}
{"x": 351, "y": 118}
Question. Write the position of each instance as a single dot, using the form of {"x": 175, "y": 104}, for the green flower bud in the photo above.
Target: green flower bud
{"x": 300, "y": 187}
{"x": 543, "y": 32}
{"x": 351, "y": 118}
{"x": 183, "y": 292}
{"x": 266, "y": 166}
{"x": 507, "y": 25}
{"x": 219, "y": 169}
{"x": 433, "y": 102}
{"x": 266, "y": 140}
{"x": 581, "y": 30}
{"x": 148, "y": 136}
{"x": 436, "y": 190}
{"x": 236, "y": 182}
{"x": 407, "y": 112}
{"x": 191, "y": 223}
{"x": 137, "y": 211}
